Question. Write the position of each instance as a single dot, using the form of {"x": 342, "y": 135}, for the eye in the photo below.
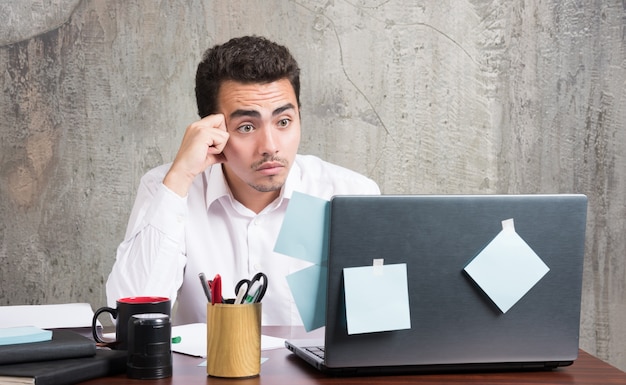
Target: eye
{"x": 284, "y": 122}
{"x": 246, "y": 128}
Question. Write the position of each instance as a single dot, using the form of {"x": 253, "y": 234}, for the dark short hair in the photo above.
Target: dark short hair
{"x": 248, "y": 59}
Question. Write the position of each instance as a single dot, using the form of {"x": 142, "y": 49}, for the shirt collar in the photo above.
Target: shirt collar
{"x": 216, "y": 186}
{"x": 293, "y": 182}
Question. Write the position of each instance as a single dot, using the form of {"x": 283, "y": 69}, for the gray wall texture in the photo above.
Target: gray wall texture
{"x": 441, "y": 96}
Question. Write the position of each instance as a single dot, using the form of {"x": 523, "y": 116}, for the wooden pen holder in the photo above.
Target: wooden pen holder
{"x": 233, "y": 340}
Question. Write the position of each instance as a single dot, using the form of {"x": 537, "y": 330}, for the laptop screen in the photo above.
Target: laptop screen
{"x": 454, "y": 318}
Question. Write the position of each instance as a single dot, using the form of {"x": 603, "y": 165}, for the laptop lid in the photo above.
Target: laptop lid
{"x": 454, "y": 323}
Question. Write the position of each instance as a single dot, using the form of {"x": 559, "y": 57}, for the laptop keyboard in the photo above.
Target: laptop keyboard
{"x": 316, "y": 350}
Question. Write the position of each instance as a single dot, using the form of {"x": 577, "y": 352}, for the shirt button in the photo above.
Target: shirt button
{"x": 256, "y": 267}
{"x": 258, "y": 221}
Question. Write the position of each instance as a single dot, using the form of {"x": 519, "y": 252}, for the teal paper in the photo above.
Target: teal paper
{"x": 377, "y": 298}
{"x": 303, "y": 232}
{"x": 303, "y": 235}
{"x": 23, "y": 335}
{"x": 308, "y": 288}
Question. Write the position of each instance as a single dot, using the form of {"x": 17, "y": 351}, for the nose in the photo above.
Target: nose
{"x": 268, "y": 142}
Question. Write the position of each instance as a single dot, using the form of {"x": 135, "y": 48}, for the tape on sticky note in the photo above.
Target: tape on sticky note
{"x": 378, "y": 266}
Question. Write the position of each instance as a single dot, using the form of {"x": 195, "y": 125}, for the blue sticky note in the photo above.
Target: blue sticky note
{"x": 507, "y": 268}
{"x": 377, "y": 298}
{"x": 23, "y": 335}
{"x": 303, "y": 232}
{"x": 308, "y": 288}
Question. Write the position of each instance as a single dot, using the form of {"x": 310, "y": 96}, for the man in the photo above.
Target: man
{"x": 218, "y": 207}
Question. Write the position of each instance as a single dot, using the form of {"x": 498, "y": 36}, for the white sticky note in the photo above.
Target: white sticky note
{"x": 377, "y": 298}
{"x": 507, "y": 268}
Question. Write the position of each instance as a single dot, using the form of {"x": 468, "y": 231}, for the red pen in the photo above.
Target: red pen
{"x": 216, "y": 289}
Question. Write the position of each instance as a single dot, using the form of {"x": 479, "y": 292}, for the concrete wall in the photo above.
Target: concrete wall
{"x": 456, "y": 96}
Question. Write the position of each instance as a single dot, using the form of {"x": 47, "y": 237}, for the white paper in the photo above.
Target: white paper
{"x": 193, "y": 340}
{"x": 69, "y": 315}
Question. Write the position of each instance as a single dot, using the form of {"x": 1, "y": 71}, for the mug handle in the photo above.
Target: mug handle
{"x": 94, "y": 329}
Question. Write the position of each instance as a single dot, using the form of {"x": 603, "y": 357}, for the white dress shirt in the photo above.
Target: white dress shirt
{"x": 170, "y": 239}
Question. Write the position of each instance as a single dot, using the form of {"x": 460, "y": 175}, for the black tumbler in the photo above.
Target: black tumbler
{"x": 149, "y": 346}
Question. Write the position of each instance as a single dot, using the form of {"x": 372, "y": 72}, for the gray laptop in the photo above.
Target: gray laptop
{"x": 454, "y": 324}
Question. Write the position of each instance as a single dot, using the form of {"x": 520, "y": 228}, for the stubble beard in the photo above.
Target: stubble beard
{"x": 272, "y": 183}
{"x": 268, "y": 187}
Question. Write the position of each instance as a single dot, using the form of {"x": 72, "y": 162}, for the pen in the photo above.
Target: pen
{"x": 216, "y": 289}
{"x": 205, "y": 286}
{"x": 241, "y": 294}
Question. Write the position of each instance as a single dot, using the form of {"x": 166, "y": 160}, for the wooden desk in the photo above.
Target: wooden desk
{"x": 284, "y": 368}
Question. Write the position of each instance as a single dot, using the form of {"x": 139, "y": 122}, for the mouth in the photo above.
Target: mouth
{"x": 270, "y": 168}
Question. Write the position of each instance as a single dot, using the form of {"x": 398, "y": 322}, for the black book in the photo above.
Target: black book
{"x": 64, "y": 344}
{"x": 65, "y": 371}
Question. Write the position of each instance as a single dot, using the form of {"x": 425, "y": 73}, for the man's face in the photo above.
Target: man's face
{"x": 263, "y": 124}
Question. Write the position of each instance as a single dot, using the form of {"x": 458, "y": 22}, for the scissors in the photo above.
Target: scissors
{"x": 254, "y": 289}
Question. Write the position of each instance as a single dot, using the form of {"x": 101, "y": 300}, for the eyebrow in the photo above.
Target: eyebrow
{"x": 257, "y": 114}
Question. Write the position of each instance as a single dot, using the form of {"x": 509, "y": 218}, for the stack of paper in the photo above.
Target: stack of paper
{"x": 66, "y": 315}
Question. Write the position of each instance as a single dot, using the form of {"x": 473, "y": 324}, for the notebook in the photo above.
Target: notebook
{"x": 456, "y": 321}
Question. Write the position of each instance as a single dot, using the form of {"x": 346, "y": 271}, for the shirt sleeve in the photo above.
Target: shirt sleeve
{"x": 151, "y": 259}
